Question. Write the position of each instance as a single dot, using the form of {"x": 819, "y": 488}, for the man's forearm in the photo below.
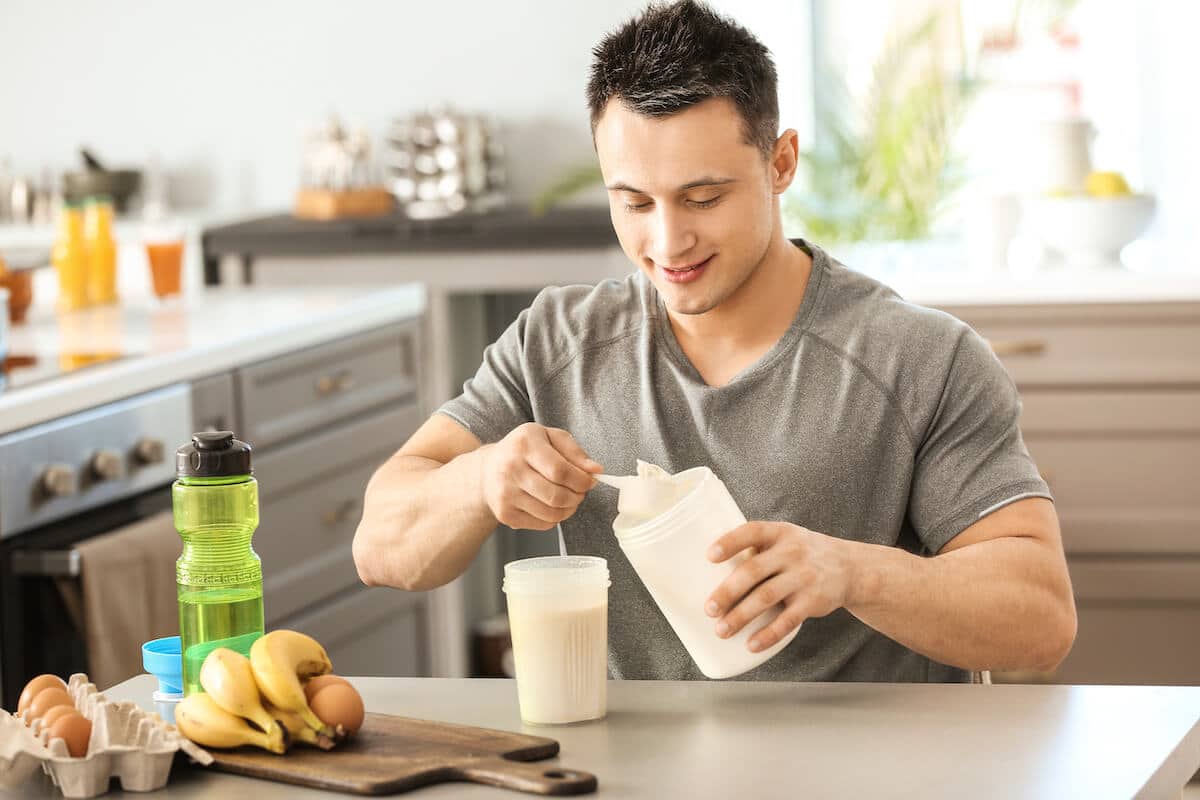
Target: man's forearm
{"x": 423, "y": 522}
{"x": 992, "y": 605}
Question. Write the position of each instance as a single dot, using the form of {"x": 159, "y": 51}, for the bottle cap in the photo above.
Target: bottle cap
{"x": 213, "y": 454}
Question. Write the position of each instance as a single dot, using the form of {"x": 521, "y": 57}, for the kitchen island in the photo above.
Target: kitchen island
{"x": 792, "y": 740}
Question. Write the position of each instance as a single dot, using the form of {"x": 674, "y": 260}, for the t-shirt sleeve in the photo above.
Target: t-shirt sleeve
{"x": 496, "y": 399}
{"x": 972, "y": 460}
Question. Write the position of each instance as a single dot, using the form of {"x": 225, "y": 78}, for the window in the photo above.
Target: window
{"x": 981, "y": 88}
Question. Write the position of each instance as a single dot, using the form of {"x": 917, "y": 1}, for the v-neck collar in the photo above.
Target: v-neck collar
{"x": 782, "y": 346}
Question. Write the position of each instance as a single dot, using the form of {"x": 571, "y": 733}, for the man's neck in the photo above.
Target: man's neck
{"x": 723, "y": 341}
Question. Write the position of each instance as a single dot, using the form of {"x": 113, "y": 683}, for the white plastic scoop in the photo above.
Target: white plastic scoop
{"x": 647, "y": 494}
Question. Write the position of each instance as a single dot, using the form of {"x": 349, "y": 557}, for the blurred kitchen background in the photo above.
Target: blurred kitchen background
{"x": 1027, "y": 165}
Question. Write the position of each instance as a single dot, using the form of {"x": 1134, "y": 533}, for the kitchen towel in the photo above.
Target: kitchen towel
{"x": 127, "y": 579}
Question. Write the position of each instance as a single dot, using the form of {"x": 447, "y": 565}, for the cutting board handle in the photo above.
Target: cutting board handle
{"x": 535, "y": 777}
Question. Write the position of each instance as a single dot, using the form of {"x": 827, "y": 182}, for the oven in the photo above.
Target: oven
{"x": 61, "y": 482}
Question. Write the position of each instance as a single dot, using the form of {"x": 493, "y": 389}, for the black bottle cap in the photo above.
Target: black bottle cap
{"x": 213, "y": 454}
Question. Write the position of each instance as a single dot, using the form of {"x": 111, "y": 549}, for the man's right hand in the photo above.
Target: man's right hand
{"x": 535, "y": 477}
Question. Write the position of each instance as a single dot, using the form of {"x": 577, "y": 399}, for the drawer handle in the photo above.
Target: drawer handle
{"x": 347, "y": 510}
{"x": 1018, "y": 347}
{"x": 335, "y": 383}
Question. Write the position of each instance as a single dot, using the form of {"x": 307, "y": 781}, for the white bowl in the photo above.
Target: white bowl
{"x": 1091, "y": 231}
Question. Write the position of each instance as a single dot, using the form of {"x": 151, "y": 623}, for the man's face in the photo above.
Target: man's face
{"x": 687, "y": 191}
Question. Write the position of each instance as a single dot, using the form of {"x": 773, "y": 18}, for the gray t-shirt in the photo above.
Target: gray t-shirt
{"x": 871, "y": 419}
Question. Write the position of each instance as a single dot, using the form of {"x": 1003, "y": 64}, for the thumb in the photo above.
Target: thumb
{"x": 564, "y": 443}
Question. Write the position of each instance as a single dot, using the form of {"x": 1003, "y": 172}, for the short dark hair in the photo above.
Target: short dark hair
{"x": 673, "y": 56}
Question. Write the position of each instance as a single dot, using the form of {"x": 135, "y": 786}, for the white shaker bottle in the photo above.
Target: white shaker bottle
{"x": 558, "y": 617}
{"x": 669, "y": 553}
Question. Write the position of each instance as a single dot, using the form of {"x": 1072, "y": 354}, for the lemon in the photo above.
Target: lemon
{"x": 1107, "y": 184}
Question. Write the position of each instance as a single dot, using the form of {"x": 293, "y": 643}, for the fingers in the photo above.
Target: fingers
{"x": 523, "y": 521}
{"x": 794, "y": 613}
{"x": 550, "y": 462}
{"x": 565, "y": 443}
{"x": 752, "y": 534}
{"x": 533, "y": 484}
{"x": 749, "y": 574}
{"x": 536, "y": 477}
{"x": 766, "y": 595}
{"x": 544, "y": 516}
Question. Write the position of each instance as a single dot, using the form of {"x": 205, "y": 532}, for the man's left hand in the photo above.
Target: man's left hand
{"x": 807, "y": 572}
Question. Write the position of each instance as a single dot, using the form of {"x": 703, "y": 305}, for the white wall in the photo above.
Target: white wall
{"x": 224, "y": 90}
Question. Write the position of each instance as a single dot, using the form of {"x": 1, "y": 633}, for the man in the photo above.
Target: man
{"x": 874, "y": 443}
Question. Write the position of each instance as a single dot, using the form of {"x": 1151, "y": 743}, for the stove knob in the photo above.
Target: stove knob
{"x": 107, "y": 465}
{"x": 149, "y": 451}
{"x": 58, "y": 480}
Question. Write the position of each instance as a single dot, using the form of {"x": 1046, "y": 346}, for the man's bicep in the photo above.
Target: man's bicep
{"x": 1031, "y": 518}
{"x": 440, "y": 439}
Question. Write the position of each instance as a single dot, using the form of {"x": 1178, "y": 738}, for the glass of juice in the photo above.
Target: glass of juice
{"x": 164, "y": 254}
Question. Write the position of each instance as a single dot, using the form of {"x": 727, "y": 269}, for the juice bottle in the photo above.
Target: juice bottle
{"x": 219, "y": 576}
{"x": 69, "y": 258}
{"x": 101, "y": 251}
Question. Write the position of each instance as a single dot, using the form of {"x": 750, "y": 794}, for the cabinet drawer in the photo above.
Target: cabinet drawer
{"x": 370, "y": 632}
{"x": 1138, "y": 619}
{"x": 311, "y": 501}
{"x": 289, "y": 397}
{"x": 1121, "y": 466}
{"x": 1095, "y": 345}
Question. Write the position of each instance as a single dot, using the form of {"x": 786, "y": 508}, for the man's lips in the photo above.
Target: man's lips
{"x": 686, "y": 272}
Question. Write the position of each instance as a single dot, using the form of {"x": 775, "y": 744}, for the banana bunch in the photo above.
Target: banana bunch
{"x": 260, "y": 700}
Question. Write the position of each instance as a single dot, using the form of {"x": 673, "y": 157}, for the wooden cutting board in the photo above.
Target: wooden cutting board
{"x": 394, "y": 754}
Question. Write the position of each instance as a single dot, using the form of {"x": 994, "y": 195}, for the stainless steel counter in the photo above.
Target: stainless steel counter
{"x": 764, "y": 740}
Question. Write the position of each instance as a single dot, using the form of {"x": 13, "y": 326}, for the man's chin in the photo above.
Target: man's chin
{"x": 688, "y": 306}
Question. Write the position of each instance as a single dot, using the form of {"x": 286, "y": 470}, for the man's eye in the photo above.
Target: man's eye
{"x": 636, "y": 206}
{"x": 712, "y": 201}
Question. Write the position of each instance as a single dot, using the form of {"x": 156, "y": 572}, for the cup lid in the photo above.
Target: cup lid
{"x": 162, "y": 658}
{"x": 555, "y": 574}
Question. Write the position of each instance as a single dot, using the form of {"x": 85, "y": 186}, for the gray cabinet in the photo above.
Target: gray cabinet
{"x": 287, "y": 398}
{"x": 311, "y": 501}
{"x": 321, "y": 421}
{"x": 370, "y": 632}
{"x": 1111, "y": 415}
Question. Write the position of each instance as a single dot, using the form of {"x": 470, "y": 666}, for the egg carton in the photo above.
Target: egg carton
{"x": 128, "y": 743}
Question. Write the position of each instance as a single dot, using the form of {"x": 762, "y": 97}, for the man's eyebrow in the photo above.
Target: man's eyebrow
{"x": 707, "y": 180}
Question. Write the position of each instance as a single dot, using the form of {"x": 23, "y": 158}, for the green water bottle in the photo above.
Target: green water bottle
{"x": 219, "y": 575}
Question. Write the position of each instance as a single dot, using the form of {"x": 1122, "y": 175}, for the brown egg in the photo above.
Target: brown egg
{"x": 54, "y": 714}
{"x": 75, "y": 730}
{"x": 47, "y": 699}
{"x": 339, "y": 705}
{"x": 316, "y": 684}
{"x": 36, "y": 685}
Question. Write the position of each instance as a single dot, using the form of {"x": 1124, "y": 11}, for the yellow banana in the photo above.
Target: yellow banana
{"x": 228, "y": 679}
{"x": 281, "y": 660}
{"x": 298, "y": 731}
{"x": 199, "y": 718}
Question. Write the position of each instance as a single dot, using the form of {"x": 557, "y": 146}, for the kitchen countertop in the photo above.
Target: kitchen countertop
{"x": 509, "y": 228}
{"x": 200, "y": 333}
{"x": 1045, "y": 287}
{"x": 788, "y": 740}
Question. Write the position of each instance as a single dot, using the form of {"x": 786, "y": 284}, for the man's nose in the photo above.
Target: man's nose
{"x": 672, "y": 237}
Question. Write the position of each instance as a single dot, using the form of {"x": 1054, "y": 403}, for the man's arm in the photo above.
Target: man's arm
{"x": 430, "y": 507}
{"x": 997, "y": 596}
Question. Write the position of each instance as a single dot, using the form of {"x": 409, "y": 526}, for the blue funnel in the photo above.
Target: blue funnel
{"x": 162, "y": 659}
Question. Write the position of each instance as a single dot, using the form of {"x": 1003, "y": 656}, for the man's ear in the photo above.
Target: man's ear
{"x": 784, "y": 159}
